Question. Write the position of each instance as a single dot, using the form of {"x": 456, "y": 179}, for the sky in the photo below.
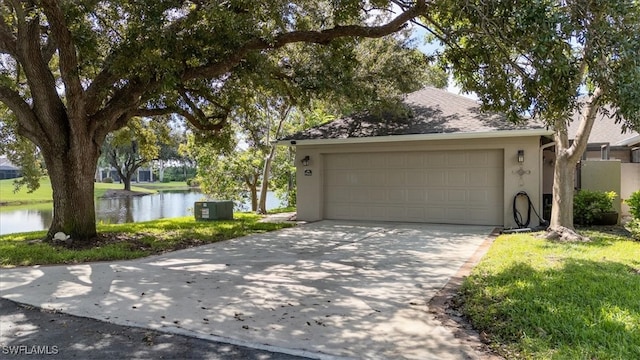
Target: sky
{"x": 430, "y": 49}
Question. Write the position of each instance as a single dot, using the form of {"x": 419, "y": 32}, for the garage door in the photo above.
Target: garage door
{"x": 453, "y": 187}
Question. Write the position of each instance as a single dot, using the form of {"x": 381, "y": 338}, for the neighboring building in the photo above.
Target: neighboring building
{"x": 8, "y": 170}
{"x": 447, "y": 162}
{"x": 142, "y": 175}
{"x": 611, "y": 161}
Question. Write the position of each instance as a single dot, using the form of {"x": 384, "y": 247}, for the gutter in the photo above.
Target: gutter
{"x": 419, "y": 137}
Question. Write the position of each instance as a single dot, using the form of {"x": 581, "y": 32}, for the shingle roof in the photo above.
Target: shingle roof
{"x": 605, "y": 130}
{"x": 433, "y": 111}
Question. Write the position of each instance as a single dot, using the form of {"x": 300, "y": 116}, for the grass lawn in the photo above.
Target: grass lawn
{"x": 537, "y": 299}
{"x": 44, "y": 194}
{"x": 130, "y": 241}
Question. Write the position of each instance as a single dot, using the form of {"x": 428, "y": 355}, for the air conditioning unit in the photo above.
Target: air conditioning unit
{"x": 213, "y": 210}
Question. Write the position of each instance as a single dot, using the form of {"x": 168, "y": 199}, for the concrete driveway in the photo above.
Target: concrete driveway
{"x": 323, "y": 290}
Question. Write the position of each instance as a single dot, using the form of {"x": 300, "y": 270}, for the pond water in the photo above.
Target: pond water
{"x": 161, "y": 205}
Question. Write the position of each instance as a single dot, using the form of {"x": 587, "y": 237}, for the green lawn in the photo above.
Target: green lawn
{"x": 129, "y": 241}
{"x": 538, "y": 299}
{"x": 44, "y": 194}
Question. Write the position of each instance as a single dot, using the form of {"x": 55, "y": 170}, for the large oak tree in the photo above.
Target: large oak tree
{"x": 72, "y": 72}
{"x": 551, "y": 60}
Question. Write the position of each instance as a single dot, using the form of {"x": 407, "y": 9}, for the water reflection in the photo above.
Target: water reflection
{"x": 119, "y": 210}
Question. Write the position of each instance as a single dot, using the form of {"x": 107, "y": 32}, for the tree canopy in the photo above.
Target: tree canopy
{"x": 550, "y": 60}
{"x": 71, "y": 72}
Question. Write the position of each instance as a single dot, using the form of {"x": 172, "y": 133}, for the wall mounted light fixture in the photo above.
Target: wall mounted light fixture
{"x": 305, "y": 160}
{"x": 521, "y": 156}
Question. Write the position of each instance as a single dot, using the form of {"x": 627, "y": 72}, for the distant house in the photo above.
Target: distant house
{"x": 8, "y": 170}
{"x": 144, "y": 174}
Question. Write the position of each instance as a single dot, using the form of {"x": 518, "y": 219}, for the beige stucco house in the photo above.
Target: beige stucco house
{"x": 445, "y": 162}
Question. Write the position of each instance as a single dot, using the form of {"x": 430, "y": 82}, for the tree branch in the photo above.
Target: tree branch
{"x": 46, "y": 101}
{"x": 7, "y": 39}
{"x": 28, "y": 125}
{"x": 318, "y": 37}
{"x": 68, "y": 60}
{"x": 586, "y": 124}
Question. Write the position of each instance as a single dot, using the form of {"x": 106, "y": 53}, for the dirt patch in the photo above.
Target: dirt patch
{"x": 135, "y": 242}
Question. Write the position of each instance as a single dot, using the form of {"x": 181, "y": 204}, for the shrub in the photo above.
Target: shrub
{"x": 634, "y": 227}
{"x": 107, "y": 180}
{"x": 193, "y": 182}
{"x": 588, "y": 205}
{"x": 634, "y": 203}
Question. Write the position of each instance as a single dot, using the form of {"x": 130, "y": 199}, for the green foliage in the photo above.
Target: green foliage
{"x": 74, "y": 72}
{"x": 536, "y": 57}
{"x": 634, "y": 204}
{"x": 135, "y": 145}
{"x": 21, "y": 152}
{"x": 177, "y": 173}
{"x": 107, "y": 180}
{"x": 588, "y": 205}
{"x": 536, "y": 299}
{"x": 634, "y": 227}
{"x": 193, "y": 182}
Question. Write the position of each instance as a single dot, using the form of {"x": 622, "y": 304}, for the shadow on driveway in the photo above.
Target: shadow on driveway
{"x": 350, "y": 289}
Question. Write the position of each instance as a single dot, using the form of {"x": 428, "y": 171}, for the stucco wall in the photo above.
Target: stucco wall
{"x": 310, "y": 178}
{"x": 630, "y": 182}
{"x": 602, "y": 175}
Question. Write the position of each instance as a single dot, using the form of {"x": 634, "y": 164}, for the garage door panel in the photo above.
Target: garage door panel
{"x": 457, "y": 159}
{"x": 415, "y": 178}
{"x": 436, "y": 196}
{"x": 436, "y": 159}
{"x": 416, "y": 196}
{"x": 436, "y": 177}
{"x": 456, "y": 197}
{"x": 457, "y": 178}
{"x": 460, "y": 187}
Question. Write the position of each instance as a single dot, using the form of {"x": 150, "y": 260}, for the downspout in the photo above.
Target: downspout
{"x": 541, "y": 172}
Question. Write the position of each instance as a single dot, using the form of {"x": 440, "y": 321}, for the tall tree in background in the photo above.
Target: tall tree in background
{"x": 71, "y": 72}
{"x": 134, "y": 146}
{"x": 550, "y": 60}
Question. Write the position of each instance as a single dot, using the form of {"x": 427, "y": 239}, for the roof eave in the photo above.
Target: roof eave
{"x": 420, "y": 137}
{"x": 634, "y": 140}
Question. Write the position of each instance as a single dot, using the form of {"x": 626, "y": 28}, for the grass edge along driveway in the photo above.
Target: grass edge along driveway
{"x": 539, "y": 299}
{"x": 130, "y": 240}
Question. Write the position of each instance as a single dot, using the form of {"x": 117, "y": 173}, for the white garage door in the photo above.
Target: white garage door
{"x": 453, "y": 187}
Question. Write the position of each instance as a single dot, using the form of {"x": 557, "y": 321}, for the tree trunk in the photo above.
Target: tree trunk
{"x": 563, "y": 189}
{"x": 266, "y": 171}
{"x": 264, "y": 186}
{"x": 71, "y": 173}
{"x": 254, "y": 197}
{"x": 126, "y": 180}
{"x": 567, "y": 156}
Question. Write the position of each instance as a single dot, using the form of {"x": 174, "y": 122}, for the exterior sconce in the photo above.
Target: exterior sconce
{"x": 521, "y": 156}
{"x": 305, "y": 160}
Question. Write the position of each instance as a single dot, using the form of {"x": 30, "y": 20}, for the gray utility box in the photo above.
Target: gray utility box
{"x": 213, "y": 210}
